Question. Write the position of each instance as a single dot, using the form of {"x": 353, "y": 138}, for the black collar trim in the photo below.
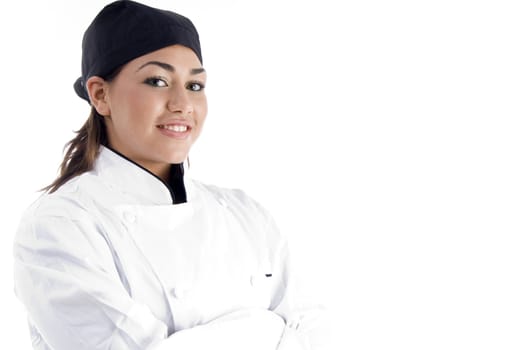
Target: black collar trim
{"x": 175, "y": 183}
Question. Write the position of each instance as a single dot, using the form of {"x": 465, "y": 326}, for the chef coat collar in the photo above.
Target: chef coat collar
{"x": 133, "y": 179}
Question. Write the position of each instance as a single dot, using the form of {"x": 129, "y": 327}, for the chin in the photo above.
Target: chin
{"x": 178, "y": 158}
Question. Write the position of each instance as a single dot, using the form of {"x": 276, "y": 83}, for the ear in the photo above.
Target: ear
{"x": 98, "y": 93}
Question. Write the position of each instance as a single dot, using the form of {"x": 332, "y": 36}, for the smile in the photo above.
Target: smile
{"x": 175, "y": 128}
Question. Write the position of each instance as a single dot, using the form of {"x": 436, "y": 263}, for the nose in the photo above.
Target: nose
{"x": 180, "y": 102}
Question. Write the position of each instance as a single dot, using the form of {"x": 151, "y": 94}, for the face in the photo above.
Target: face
{"x": 156, "y": 107}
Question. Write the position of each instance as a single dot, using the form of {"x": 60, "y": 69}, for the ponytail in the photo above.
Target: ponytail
{"x": 81, "y": 151}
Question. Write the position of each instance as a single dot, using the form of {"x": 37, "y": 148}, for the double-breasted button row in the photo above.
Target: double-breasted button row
{"x": 129, "y": 217}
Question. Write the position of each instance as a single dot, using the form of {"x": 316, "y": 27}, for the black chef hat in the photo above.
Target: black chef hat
{"x": 125, "y": 30}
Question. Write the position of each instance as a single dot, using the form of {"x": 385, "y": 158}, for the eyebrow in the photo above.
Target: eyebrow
{"x": 170, "y": 68}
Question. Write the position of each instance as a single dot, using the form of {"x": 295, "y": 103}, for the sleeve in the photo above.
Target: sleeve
{"x": 307, "y": 327}
{"x": 65, "y": 275}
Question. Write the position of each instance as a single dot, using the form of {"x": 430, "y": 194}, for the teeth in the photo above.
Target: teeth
{"x": 176, "y": 128}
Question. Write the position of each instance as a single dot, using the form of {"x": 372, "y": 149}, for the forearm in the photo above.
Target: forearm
{"x": 255, "y": 329}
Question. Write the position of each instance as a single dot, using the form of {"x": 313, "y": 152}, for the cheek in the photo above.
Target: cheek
{"x": 132, "y": 102}
{"x": 201, "y": 109}
{"x": 127, "y": 95}
{"x": 132, "y": 109}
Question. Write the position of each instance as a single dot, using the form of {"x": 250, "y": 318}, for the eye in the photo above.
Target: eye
{"x": 156, "y": 82}
{"x": 195, "y": 86}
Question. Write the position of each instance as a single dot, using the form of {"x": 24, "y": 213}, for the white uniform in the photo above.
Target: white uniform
{"x": 108, "y": 262}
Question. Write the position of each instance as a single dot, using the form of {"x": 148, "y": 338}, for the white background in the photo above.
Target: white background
{"x": 386, "y": 137}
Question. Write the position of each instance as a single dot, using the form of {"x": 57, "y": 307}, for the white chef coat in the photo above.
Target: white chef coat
{"x": 108, "y": 262}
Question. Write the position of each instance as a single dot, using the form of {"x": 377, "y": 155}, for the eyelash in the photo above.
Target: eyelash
{"x": 154, "y": 81}
{"x": 195, "y": 83}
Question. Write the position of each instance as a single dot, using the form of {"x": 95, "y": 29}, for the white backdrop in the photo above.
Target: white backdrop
{"x": 386, "y": 137}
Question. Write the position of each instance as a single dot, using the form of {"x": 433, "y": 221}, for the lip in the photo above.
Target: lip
{"x": 175, "y": 134}
{"x": 184, "y": 122}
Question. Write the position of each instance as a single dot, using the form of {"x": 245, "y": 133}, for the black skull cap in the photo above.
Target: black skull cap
{"x": 125, "y": 30}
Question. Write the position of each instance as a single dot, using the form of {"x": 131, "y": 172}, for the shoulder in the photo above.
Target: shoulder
{"x": 229, "y": 196}
{"x": 64, "y": 202}
{"x": 52, "y": 211}
{"x": 236, "y": 200}
{"x": 83, "y": 194}
{"x": 247, "y": 211}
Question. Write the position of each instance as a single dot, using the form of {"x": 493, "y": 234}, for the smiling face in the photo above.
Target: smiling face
{"x": 154, "y": 108}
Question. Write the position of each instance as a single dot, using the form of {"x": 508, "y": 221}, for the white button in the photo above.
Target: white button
{"x": 178, "y": 293}
{"x": 129, "y": 216}
{"x": 223, "y": 202}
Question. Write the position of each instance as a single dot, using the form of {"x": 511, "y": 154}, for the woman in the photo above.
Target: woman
{"x": 124, "y": 251}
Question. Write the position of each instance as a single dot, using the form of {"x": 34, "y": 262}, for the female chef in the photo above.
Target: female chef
{"x": 125, "y": 252}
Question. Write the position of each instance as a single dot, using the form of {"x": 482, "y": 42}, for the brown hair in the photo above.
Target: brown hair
{"x": 82, "y": 150}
